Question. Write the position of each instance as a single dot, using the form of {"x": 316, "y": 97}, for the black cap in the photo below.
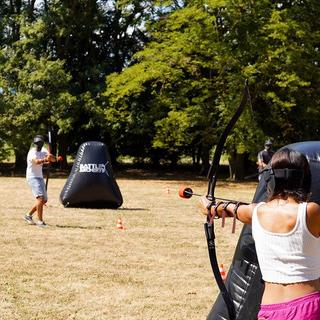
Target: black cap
{"x": 38, "y": 138}
{"x": 268, "y": 143}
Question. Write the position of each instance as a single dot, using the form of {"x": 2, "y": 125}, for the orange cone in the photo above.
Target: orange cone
{"x": 222, "y": 272}
{"x": 120, "y": 224}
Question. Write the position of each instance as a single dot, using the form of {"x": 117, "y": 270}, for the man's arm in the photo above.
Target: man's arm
{"x": 44, "y": 159}
{"x": 261, "y": 164}
{"x": 32, "y": 158}
{"x": 38, "y": 161}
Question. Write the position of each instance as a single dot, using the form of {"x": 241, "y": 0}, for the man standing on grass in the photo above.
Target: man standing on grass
{"x": 264, "y": 156}
{"x": 37, "y": 157}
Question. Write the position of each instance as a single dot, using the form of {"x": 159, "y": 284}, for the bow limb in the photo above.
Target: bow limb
{"x": 50, "y": 151}
{"x": 213, "y": 170}
{"x": 209, "y": 225}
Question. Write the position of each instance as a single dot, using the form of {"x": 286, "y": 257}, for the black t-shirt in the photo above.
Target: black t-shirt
{"x": 265, "y": 156}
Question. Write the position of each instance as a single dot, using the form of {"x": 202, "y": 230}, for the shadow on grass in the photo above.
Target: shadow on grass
{"x": 133, "y": 209}
{"x": 135, "y": 172}
{"x": 76, "y": 227}
{"x": 122, "y": 171}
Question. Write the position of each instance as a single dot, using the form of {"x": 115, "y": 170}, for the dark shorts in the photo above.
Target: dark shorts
{"x": 303, "y": 308}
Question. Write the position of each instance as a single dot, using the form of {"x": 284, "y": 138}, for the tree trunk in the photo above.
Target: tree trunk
{"x": 21, "y": 158}
{"x": 62, "y": 151}
{"x": 236, "y": 166}
{"x": 205, "y": 160}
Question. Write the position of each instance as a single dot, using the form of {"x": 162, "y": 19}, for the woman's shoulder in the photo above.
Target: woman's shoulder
{"x": 313, "y": 218}
{"x": 313, "y": 207}
{"x": 313, "y": 212}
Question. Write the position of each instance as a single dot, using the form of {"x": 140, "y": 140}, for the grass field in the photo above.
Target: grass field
{"x": 82, "y": 267}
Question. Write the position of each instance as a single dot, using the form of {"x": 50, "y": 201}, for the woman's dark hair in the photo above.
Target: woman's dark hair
{"x": 297, "y": 184}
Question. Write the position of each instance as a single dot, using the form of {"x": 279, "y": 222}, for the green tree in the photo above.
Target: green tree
{"x": 188, "y": 77}
{"x": 172, "y": 80}
{"x": 34, "y": 91}
{"x": 86, "y": 40}
{"x": 174, "y": 71}
{"x": 288, "y": 73}
{"x": 94, "y": 39}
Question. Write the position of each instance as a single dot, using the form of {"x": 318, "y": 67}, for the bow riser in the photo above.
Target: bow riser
{"x": 50, "y": 151}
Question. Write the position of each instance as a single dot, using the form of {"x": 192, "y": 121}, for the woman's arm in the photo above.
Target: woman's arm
{"x": 243, "y": 212}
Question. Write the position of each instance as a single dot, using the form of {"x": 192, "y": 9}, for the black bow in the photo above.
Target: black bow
{"x": 209, "y": 225}
{"x": 50, "y": 151}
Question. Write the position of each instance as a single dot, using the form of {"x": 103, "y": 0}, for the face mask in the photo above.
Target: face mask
{"x": 39, "y": 145}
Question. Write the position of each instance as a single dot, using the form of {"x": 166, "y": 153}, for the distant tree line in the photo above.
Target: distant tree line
{"x": 159, "y": 80}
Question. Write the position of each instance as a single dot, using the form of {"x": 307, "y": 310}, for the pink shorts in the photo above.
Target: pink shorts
{"x": 304, "y": 308}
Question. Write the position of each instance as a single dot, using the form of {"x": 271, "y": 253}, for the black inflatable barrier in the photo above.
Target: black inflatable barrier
{"x": 91, "y": 183}
{"x": 244, "y": 280}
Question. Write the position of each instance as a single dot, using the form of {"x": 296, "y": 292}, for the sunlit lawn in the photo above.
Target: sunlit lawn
{"x": 83, "y": 267}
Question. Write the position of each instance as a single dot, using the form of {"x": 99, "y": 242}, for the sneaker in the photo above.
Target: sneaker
{"x": 41, "y": 224}
{"x": 29, "y": 219}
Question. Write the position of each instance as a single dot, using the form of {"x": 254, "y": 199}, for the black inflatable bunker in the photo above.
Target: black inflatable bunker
{"x": 91, "y": 183}
{"x": 244, "y": 281}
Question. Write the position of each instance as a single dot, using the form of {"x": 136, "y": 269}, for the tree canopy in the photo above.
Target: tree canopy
{"x": 189, "y": 77}
{"x": 159, "y": 79}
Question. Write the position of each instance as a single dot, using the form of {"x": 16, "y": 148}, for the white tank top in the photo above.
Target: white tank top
{"x": 287, "y": 257}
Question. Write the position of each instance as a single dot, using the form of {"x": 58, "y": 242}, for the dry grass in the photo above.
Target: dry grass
{"x": 81, "y": 267}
